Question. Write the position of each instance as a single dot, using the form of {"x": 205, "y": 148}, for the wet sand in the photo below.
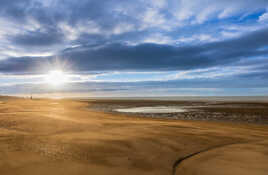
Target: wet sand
{"x": 207, "y": 110}
{"x": 68, "y": 137}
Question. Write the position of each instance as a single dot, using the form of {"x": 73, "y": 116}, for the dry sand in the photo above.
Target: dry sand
{"x": 65, "y": 137}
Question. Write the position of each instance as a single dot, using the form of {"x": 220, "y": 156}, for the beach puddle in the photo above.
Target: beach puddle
{"x": 155, "y": 109}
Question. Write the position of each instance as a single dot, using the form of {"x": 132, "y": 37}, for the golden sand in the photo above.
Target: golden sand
{"x": 65, "y": 137}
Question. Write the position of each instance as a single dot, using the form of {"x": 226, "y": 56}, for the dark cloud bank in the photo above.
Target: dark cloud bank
{"x": 145, "y": 57}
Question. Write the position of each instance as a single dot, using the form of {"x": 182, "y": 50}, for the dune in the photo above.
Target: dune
{"x": 44, "y": 136}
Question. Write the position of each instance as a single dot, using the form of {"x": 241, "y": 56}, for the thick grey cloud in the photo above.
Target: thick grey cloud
{"x": 13, "y": 8}
{"x": 149, "y": 57}
{"x": 38, "y": 38}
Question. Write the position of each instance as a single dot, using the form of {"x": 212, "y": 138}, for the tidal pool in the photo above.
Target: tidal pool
{"x": 154, "y": 109}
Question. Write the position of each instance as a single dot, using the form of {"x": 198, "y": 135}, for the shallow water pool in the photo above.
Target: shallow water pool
{"x": 154, "y": 109}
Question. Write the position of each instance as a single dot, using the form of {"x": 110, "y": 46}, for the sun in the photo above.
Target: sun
{"x": 56, "y": 78}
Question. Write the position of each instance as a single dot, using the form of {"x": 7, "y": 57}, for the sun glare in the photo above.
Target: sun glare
{"x": 56, "y": 78}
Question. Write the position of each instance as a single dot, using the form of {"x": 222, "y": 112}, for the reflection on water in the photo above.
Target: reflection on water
{"x": 155, "y": 109}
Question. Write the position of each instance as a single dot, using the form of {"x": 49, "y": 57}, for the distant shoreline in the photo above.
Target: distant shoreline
{"x": 184, "y": 98}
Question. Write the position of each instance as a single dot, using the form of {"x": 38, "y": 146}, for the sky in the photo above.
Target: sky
{"x": 135, "y": 48}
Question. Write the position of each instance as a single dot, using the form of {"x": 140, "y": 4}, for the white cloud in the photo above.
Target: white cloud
{"x": 206, "y": 73}
{"x": 234, "y": 30}
{"x": 205, "y": 14}
{"x": 212, "y": 73}
{"x": 197, "y": 38}
{"x": 264, "y": 17}
{"x": 229, "y": 34}
{"x": 152, "y": 18}
{"x": 158, "y": 39}
{"x": 200, "y": 11}
{"x": 73, "y": 32}
{"x": 122, "y": 28}
{"x": 227, "y": 12}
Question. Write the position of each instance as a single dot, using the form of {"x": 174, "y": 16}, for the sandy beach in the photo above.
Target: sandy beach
{"x": 71, "y": 137}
